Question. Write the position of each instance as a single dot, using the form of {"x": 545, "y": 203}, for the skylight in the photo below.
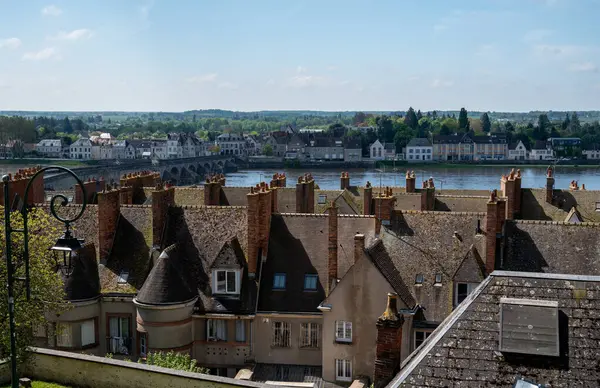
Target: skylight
{"x": 123, "y": 277}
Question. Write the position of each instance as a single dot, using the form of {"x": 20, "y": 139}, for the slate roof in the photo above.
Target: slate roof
{"x": 83, "y": 283}
{"x": 419, "y": 142}
{"x": 167, "y": 283}
{"x": 539, "y": 145}
{"x": 464, "y": 349}
{"x": 353, "y": 144}
{"x": 298, "y": 245}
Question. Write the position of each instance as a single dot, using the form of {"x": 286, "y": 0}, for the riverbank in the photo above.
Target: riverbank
{"x": 508, "y": 163}
{"x": 45, "y": 162}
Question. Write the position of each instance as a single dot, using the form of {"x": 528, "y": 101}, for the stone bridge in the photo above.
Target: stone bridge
{"x": 181, "y": 172}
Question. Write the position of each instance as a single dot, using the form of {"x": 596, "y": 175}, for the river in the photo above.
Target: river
{"x": 455, "y": 177}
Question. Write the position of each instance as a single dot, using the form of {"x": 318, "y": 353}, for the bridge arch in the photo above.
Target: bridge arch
{"x": 174, "y": 171}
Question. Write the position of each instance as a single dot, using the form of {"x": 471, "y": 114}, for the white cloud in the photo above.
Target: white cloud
{"x": 537, "y": 35}
{"x": 439, "y": 27}
{"x": 332, "y": 68}
{"x": 270, "y": 81}
{"x": 300, "y": 69}
{"x": 82, "y": 33}
{"x": 51, "y": 10}
{"x": 583, "y": 67}
{"x": 438, "y": 83}
{"x": 10, "y": 43}
{"x": 557, "y": 50}
{"x": 485, "y": 50}
{"x": 201, "y": 79}
{"x": 302, "y": 81}
{"x": 47, "y": 53}
{"x": 228, "y": 86}
{"x": 413, "y": 78}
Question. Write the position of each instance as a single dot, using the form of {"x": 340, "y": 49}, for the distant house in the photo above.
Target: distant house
{"x": 467, "y": 147}
{"x": 517, "y": 151}
{"x": 389, "y": 151}
{"x": 325, "y": 148}
{"x": 419, "y": 150}
{"x": 376, "y": 151}
{"x": 123, "y": 149}
{"x": 232, "y": 144}
{"x": 353, "y": 150}
{"x": 490, "y": 147}
{"x": 541, "y": 151}
{"x": 565, "y": 146}
{"x": 50, "y": 148}
{"x": 81, "y": 149}
{"x": 102, "y": 151}
{"x": 592, "y": 152}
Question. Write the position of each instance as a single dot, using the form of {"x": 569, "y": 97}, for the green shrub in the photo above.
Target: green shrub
{"x": 175, "y": 361}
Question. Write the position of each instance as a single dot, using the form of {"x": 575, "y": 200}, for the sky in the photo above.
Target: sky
{"x": 334, "y": 55}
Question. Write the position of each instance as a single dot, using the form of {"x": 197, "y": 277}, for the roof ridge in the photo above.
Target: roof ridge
{"x": 561, "y": 223}
{"x": 438, "y": 212}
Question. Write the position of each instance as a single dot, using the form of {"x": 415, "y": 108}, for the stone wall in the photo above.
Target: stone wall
{"x": 99, "y": 372}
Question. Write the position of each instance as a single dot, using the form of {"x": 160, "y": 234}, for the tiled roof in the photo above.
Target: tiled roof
{"x": 84, "y": 282}
{"x": 419, "y": 142}
{"x": 539, "y": 145}
{"x": 464, "y": 349}
{"x": 167, "y": 283}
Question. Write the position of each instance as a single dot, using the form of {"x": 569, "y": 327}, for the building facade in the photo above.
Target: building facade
{"x": 81, "y": 149}
{"x": 50, "y": 148}
{"x": 419, "y": 150}
{"x": 518, "y": 151}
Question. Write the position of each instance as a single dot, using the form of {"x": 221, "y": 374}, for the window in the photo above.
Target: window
{"x": 410, "y": 156}
{"x": 64, "y": 335}
{"x": 529, "y": 326}
{"x": 310, "y": 282}
{"x": 227, "y": 281}
{"x": 322, "y": 199}
{"x": 598, "y": 206}
{"x": 88, "y": 333}
{"x": 343, "y": 331}
{"x": 310, "y": 335}
{"x": 438, "y": 280}
{"x": 216, "y": 330}
{"x": 123, "y": 276}
{"x": 281, "y": 334}
{"x": 462, "y": 290}
{"x": 143, "y": 343}
{"x": 418, "y": 151}
{"x": 119, "y": 338}
{"x": 419, "y": 279}
{"x": 420, "y": 337}
{"x": 240, "y": 331}
{"x": 279, "y": 281}
{"x": 343, "y": 370}
{"x": 379, "y": 152}
{"x": 410, "y": 150}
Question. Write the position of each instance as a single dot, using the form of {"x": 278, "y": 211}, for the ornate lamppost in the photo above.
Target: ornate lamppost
{"x": 64, "y": 247}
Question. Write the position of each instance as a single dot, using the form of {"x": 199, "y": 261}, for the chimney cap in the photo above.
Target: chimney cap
{"x": 359, "y": 236}
{"x": 391, "y": 312}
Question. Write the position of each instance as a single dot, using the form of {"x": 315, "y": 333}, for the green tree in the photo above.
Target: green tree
{"x": 486, "y": 124}
{"x": 67, "y": 127}
{"x": 508, "y": 127}
{"x": 385, "y": 129}
{"x": 463, "y": 120}
{"x": 419, "y": 115}
{"x": 402, "y": 135}
{"x": 47, "y": 294}
{"x": 575, "y": 125}
{"x": 411, "y": 119}
{"x": 175, "y": 361}
{"x": 267, "y": 150}
{"x": 566, "y": 123}
{"x": 540, "y": 132}
{"x": 359, "y": 118}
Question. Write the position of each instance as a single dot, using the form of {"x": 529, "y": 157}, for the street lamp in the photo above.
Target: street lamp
{"x": 64, "y": 245}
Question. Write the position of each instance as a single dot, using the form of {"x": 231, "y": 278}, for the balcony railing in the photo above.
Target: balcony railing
{"x": 118, "y": 345}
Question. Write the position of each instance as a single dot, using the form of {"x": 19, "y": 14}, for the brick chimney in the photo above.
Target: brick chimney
{"x": 108, "y": 215}
{"x": 368, "y": 199}
{"x": 496, "y": 214}
{"x": 549, "y": 184}
{"x": 332, "y": 262}
{"x": 518, "y": 194}
{"x": 305, "y": 194}
{"x": 428, "y": 195}
{"x": 212, "y": 191}
{"x": 259, "y": 225}
{"x": 278, "y": 180}
{"x": 37, "y": 186}
{"x": 274, "y": 202}
{"x": 508, "y": 188}
{"x": 389, "y": 343}
{"x": 18, "y": 184}
{"x": 384, "y": 208}
{"x": 345, "y": 181}
{"x": 126, "y": 195}
{"x": 410, "y": 182}
{"x": 162, "y": 199}
{"x": 91, "y": 188}
{"x": 359, "y": 246}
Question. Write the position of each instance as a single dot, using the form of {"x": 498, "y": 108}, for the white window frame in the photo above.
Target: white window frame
{"x": 470, "y": 288}
{"x": 216, "y": 330}
{"x": 86, "y": 328}
{"x": 216, "y": 283}
{"x": 284, "y": 276}
{"x": 426, "y": 334}
{"x": 281, "y": 334}
{"x": 310, "y": 335}
{"x": 343, "y": 370}
{"x": 316, "y": 280}
{"x": 345, "y": 328}
{"x": 143, "y": 336}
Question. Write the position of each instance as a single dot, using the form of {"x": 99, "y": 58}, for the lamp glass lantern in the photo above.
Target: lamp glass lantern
{"x": 63, "y": 251}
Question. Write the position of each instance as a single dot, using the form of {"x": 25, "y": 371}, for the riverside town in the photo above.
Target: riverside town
{"x": 299, "y": 194}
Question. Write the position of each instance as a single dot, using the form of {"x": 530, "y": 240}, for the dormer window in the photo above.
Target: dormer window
{"x": 226, "y": 281}
{"x": 419, "y": 280}
{"x": 438, "y": 280}
{"x": 123, "y": 277}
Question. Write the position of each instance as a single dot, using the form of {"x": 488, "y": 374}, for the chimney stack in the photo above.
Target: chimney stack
{"x": 108, "y": 216}
{"x": 91, "y": 188}
{"x": 549, "y": 185}
{"x": 212, "y": 190}
{"x": 162, "y": 199}
{"x": 496, "y": 214}
{"x": 410, "y": 182}
{"x": 345, "y": 181}
{"x": 359, "y": 246}
{"x": 259, "y": 225}
{"x": 384, "y": 208}
{"x": 332, "y": 262}
{"x": 368, "y": 199}
{"x": 389, "y": 343}
{"x": 508, "y": 185}
{"x": 305, "y": 194}
{"x": 18, "y": 184}
{"x": 428, "y": 195}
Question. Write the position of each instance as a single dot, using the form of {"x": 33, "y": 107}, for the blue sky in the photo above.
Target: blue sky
{"x": 503, "y": 55}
